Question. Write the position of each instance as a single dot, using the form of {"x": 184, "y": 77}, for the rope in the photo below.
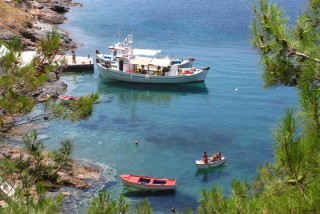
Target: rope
{"x": 216, "y": 70}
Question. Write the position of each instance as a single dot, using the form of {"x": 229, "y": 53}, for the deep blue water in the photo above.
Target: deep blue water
{"x": 174, "y": 124}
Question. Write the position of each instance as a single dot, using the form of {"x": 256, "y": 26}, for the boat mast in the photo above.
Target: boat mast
{"x": 130, "y": 41}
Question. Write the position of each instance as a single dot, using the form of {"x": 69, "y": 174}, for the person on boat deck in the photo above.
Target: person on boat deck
{"x": 142, "y": 69}
{"x": 215, "y": 157}
{"x": 205, "y": 157}
{"x": 73, "y": 57}
{"x": 158, "y": 70}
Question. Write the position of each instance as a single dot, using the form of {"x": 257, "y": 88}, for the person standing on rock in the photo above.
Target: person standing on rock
{"x": 73, "y": 57}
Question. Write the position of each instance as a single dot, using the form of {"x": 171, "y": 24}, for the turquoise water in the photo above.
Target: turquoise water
{"x": 174, "y": 124}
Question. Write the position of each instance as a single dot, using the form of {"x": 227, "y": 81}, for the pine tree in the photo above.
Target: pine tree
{"x": 291, "y": 57}
{"x": 17, "y": 83}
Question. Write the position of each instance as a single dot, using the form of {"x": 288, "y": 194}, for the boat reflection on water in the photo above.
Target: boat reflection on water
{"x": 184, "y": 88}
{"x": 132, "y": 192}
{"x": 206, "y": 171}
{"x": 211, "y": 174}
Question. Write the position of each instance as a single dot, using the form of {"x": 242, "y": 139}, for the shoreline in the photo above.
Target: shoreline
{"x": 85, "y": 179}
{"x": 30, "y": 21}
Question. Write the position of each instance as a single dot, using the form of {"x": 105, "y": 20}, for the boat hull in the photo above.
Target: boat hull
{"x": 135, "y": 182}
{"x": 198, "y": 76}
{"x": 201, "y": 165}
{"x": 68, "y": 99}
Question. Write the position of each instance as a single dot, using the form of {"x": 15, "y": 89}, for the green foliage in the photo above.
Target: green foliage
{"x": 30, "y": 142}
{"x": 212, "y": 201}
{"x": 283, "y": 48}
{"x": 83, "y": 108}
{"x": 288, "y": 153}
{"x": 12, "y": 87}
{"x": 17, "y": 83}
{"x": 309, "y": 99}
{"x": 11, "y": 59}
{"x": 291, "y": 57}
{"x": 23, "y": 203}
{"x": 7, "y": 167}
{"x": 47, "y": 50}
{"x": 19, "y": 80}
{"x": 122, "y": 205}
{"x": 104, "y": 205}
{"x": 38, "y": 170}
{"x": 144, "y": 207}
{"x": 74, "y": 111}
{"x": 188, "y": 211}
{"x": 99, "y": 204}
{"x": 62, "y": 156}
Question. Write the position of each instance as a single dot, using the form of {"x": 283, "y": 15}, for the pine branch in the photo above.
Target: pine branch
{"x": 302, "y": 55}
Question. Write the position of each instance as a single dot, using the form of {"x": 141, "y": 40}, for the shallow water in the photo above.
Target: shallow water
{"x": 174, "y": 124}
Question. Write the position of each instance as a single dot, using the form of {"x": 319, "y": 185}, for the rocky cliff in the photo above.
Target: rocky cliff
{"x": 30, "y": 20}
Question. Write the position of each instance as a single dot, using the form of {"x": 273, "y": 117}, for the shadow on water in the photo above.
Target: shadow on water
{"x": 131, "y": 192}
{"x": 211, "y": 174}
{"x": 112, "y": 86}
{"x": 161, "y": 200}
{"x": 210, "y": 170}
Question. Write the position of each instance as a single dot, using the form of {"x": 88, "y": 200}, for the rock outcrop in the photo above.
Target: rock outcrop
{"x": 79, "y": 176}
{"x": 30, "y": 20}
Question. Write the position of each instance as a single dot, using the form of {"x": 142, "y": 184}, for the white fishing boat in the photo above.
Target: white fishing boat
{"x": 211, "y": 162}
{"x": 146, "y": 66}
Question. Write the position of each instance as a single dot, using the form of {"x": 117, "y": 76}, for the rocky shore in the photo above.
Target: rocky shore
{"x": 81, "y": 175}
{"x": 30, "y": 20}
{"x": 76, "y": 177}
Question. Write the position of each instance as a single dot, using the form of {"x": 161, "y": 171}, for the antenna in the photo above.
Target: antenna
{"x": 130, "y": 42}
{"x": 119, "y": 36}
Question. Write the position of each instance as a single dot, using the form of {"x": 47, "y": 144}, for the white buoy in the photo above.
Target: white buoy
{"x": 236, "y": 89}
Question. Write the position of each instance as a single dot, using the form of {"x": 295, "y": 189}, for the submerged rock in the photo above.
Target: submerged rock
{"x": 72, "y": 181}
{"x": 85, "y": 172}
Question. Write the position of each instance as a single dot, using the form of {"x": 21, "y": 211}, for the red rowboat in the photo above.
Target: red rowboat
{"x": 66, "y": 98}
{"x": 147, "y": 182}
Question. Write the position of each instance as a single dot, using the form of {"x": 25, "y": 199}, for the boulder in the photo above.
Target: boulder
{"x": 51, "y": 90}
{"x": 28, "y": 34}
{"x": 59, "y": 8}
{"x": 49, "y": 186}
{"x": 85, "y": 172}
{"x": 52, "y": 18}
{"x": 3, "y": 204}
{"x": 72, "y": 181}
